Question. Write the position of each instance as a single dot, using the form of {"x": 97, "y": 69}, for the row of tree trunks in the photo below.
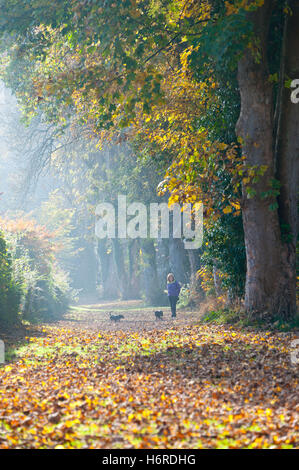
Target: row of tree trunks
{"x": 128, "y": 269}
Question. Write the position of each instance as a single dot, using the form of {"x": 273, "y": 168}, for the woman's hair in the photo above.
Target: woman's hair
{"x": 169, "y": 275}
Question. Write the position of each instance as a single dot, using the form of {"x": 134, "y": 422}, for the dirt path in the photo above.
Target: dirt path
{"x": 86, "y": 382}
{"x": 136, "y": 317}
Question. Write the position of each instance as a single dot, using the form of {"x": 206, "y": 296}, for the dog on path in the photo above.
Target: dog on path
{"x": 116, "y": 318}
{"x": 158, "y": 314}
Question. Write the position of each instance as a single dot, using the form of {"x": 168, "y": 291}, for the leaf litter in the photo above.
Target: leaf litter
{"x": 87, "y": 383}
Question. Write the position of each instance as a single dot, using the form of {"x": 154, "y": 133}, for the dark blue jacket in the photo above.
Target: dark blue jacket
{"x": 173, "y": 288}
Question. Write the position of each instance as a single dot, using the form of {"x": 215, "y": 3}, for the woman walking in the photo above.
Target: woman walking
{"x": 173, "y": 291}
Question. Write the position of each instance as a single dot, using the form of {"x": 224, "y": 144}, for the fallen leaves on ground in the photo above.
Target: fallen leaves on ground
{"x": 89, "y": 384}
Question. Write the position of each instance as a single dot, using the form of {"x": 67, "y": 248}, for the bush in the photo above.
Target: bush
{"x": 10, "y": 291}
{"x": 184, "y": 297}
{"x": 44, "y": 289}
{"x": 224, "y": 248}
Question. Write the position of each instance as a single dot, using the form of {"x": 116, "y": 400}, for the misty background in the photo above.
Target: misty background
{"x": 56, "y": 177}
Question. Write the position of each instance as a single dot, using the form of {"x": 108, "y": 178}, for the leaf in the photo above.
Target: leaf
{"x": 227, "y": 210}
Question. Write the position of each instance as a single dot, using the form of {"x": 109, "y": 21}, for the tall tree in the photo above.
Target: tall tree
{"x": 270, "y": 228}
{"x": 108, "y": 64}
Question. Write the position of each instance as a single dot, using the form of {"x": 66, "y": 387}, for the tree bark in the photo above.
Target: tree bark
{"x": 118, "y": 248}
{"x": 288, "y": 154}
{"x": 134, "y": 268}
{"x": 269, "y": 287}
{"x": 217, "y": 280}
{"x": 108, "y": 272}
{"x": 152, "y": 290}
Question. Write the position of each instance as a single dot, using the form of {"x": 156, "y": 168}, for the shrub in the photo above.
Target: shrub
{"x": 224, "y": 248}
{"x": 10, "y": 291}
{"x": 44, "y": 287}
{"x": 185, "y": 296}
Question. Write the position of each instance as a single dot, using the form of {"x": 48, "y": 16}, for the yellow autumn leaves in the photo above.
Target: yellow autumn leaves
{"x": 181, "y": 386}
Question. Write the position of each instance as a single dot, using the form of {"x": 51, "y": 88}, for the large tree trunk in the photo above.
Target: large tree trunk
{"x": 178, "y": 260}
{"x": 195, "y": 281}
{"x": 288, "y": 152}
{"x": 269, "y": 285}
{"x": 134, "y": 268}
{"x": 217, "y": 280}
{"x": 118, "y": 248}
{"x": 108, "y": 275}
{"x": 152, "y": 290}
{"x": 163, "y": 268}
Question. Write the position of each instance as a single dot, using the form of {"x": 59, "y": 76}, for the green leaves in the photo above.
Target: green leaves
{"x": 10, "y": 291}
{"x": 221, "y": 42}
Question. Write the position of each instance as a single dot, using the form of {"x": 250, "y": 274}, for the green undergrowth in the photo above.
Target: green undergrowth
{"x": 239, "y": 319}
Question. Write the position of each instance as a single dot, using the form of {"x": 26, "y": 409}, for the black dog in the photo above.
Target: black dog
{"x": 116, "y": 317}
{"x": 158, "y": 314}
